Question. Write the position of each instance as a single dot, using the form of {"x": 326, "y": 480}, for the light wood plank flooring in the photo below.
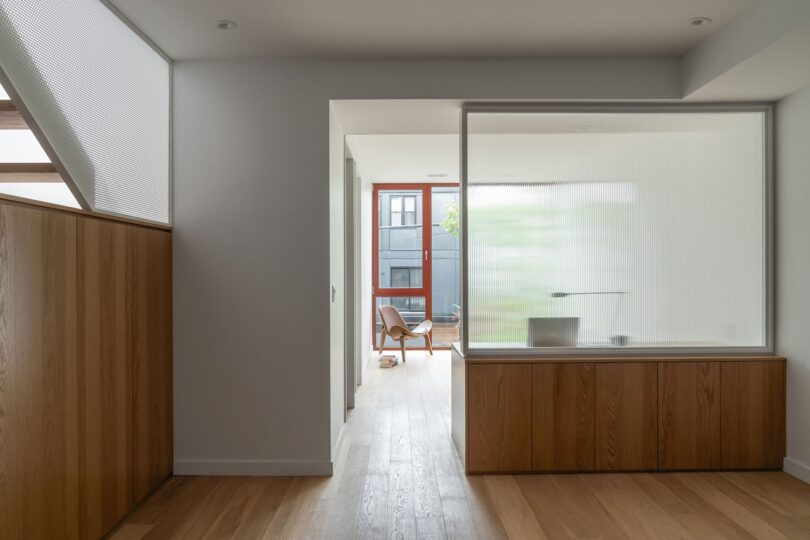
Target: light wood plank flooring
{"x": 398, "y": 476}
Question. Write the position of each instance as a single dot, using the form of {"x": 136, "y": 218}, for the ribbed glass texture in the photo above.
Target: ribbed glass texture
{"x": 100, "y": 95}
{"x": 616, "y": 230}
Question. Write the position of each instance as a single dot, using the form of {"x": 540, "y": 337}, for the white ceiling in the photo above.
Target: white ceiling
{"x": 423, "y": 152}
{"x": 405, "y": 158}
{"x": 184, "y": 29}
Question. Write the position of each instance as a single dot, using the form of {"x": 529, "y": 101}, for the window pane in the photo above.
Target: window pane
{"x": 446, "y": 266}
{"x": 410, "y": 204}
{"x": 396, "y": 204}
{"x": 50, "y": 192}
{"x": 412, "y": 309}
{"x": 20, "y": 146}
{"x": 600, "y": 230}
{"x": 400, "y": 277}
{"x": 399, "y": 244}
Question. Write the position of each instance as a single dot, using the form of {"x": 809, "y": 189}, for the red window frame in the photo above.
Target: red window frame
{"x": 426, "y": 290}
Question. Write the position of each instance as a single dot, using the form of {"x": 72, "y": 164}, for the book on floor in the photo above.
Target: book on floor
{"x": 388, "y": 361}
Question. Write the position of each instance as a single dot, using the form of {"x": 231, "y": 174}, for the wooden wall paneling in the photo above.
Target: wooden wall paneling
{"x": 105, "y": 376}
{"x": 563, "y": 417}
{"x": 152, "y": 358}
{"x": 499, "y": 420}
{"x": 626, "y": 416}
{"x": 38, "y": 375}
{"x": 753, "y": 415}
{"x": 689, "y": 415}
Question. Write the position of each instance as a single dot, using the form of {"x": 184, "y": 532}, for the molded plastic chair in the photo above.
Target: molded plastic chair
{"x": 396, "y": 327}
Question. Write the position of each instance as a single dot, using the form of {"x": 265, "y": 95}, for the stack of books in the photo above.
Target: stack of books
{"x": 388, "y": 361}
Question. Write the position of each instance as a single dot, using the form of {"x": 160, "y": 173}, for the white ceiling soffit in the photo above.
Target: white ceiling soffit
{"x": 396, "y": 116}
{"x": 762, "y": 55}
{"x": 771, "y": 74}
{"x": 406, "y": 158}
{"x": 185, "y": 29}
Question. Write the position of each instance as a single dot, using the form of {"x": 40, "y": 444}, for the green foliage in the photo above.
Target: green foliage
{"x": 451, "y": 222}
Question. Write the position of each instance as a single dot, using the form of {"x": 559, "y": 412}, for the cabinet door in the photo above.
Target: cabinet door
{"x": 753, "y": 415}
{"x": 689, "y": 415}
{"x": 499, "y": 408}
{"x": 562, "y": 417}
{"x": 105, "y": 349}
{"x": 626, "y": 416}
{"x": 38, "y": 366}
{"x": 152, "y": 358}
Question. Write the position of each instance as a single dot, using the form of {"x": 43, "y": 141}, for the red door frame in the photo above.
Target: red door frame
{"x": 427, "y": 248}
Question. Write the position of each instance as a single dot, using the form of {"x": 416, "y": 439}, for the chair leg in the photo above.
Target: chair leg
{"x": 402, "y": 347}
{"x": 430, "y": 343}
{"x": 383, "y": 335}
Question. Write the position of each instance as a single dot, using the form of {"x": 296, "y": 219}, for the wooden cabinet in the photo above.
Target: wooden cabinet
{"x": 689, "y": 415}
{"x": 753, "y": 415}
{"x": 622, "y": 414}
{"x": 626, "y": 416}
{"x": 85, "y": 370}
{"x": 152, "y": 358}
{"x": 38, "y": 375}
{"x": 562, "y": 417}
{"x": 499, "y": 432}
{"x": 105, "y": 352}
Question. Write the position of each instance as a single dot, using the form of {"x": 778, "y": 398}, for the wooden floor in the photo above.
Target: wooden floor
{"x": 398, "y": 476}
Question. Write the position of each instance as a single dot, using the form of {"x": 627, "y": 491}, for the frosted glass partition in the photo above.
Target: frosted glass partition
{"x": 616, "y": 230}
{"x": 99, "y": 94}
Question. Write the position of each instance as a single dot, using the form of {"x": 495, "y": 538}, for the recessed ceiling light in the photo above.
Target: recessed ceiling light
{"x": 437, "y": 175}
{"x": 700, "y": 21}
{"x": 226, "y": 25}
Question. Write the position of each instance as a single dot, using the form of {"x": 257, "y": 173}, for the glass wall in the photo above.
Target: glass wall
{"x": 616, "y": 229}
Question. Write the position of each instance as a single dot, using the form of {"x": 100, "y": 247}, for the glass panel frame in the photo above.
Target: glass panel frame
{"x": 768, "y": 229}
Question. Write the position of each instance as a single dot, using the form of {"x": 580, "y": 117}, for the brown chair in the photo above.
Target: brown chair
{"x": 396, "y": 327}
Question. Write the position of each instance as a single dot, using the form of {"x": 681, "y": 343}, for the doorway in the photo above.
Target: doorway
{"x": 416, "y": 258}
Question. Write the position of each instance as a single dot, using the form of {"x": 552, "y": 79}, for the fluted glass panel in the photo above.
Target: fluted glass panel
{"x": 616, "y": 230}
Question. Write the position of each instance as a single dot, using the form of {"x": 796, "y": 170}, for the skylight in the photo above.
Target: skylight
{"x": 25, "y": 169}
{"x": 100, "y": 96}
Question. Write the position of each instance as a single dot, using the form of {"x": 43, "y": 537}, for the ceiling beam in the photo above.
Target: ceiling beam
{"x": 10, "y": 117}
{"x": 29, "y": 172}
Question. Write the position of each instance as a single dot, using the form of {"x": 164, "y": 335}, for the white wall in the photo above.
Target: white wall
{"x": 366, "y": 232}
{"x": 337, "y": 308}
{"x": 793, "y": 271}
{"x": 253, "y": 383}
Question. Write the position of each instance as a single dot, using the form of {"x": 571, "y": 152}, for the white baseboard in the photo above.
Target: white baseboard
{"x": 193, "y": 467}
{"x": 338, "y": 443}
{"x": 365, "y": 363}
{"x": 797, "y": 469}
